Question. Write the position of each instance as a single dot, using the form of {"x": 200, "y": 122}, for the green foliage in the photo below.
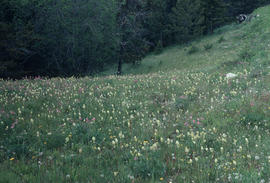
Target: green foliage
{"x": 62, "y": 38}
{"x": 221, "y": 39}
{"x": 146, "y": 167}
{"x": 187, "y": 20}
{"x": 193, "y": 49}
{"x": 157, "y": 24}
{"x": 159, "y": 48}
{"x": 246, "y": 55}
{"x": 77, "y": 38}
{"x": 186, "y": 123}
{"x": 208, "y": 46}
{"x": 254, "y": 118}
{"x": 214, "y": 14}
{"x": 182, "y": 103}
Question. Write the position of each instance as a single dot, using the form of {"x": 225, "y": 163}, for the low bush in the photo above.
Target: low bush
{"x": 193, "y": 49}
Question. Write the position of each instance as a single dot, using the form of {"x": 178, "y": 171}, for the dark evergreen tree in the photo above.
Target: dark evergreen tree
{"x": 78, "y": 37}
{"x": 237, "y": 7}
{"x": 158, "y": 22}
{"x": 57, "y": 37}
{"x": 132, "y": 45}
{"x": 187, "y": 20}
{"x": 214, "y": 14}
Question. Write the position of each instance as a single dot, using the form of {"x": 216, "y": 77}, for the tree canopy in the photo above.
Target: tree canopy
{"x": 79, "y": 37}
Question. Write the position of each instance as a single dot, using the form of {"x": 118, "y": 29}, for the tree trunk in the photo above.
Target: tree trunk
{"x": 119, "y": 69}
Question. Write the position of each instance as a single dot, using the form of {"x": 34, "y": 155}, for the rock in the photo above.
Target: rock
{"x": 230, "y": 75}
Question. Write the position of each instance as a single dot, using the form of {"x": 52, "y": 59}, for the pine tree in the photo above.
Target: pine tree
{"x": 131, "y": 32}
{"x": 214, "y": 12}
{"x": 187, "y": 20}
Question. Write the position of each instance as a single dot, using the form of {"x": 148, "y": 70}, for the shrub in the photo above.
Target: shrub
{"x": 221, "y": 39}
{"x": 182, "y": 103}
{"x": 193, "y": 49}
{"x": 145, "y": 166}
{"x": 159, "y": 47}
{"x": 208, "y": 46}
{"x": 246, "y": 55}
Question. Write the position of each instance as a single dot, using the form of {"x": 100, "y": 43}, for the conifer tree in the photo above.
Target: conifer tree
{"x": 131, "y": 32}
{"x": 187, "y": 20}
{"x": 214, "y": 14}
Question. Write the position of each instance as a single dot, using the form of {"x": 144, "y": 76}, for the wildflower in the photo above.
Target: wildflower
{"x": 186, "y": 149}
{"x": 13, "y": 124}
{"x": 230, "y": 75}
{"x": 222, "y": 149}
{"x": 168, "y": 141}
{"x": 161, "y": 139}
{"x": 161, "y": 178}
{"x": 131, "y": 177}
{"x": 177, "y": 143}
{"x": 11, "y": 159}
{"x": 154, "y": 146}
{"x": 121, "y": 135}
{"x": 240, "y": 149}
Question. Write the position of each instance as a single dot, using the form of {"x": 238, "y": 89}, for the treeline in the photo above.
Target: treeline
{"x": 81, "y": 37}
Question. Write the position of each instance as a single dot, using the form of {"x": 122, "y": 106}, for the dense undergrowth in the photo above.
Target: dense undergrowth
{"x": 178, "y": 118}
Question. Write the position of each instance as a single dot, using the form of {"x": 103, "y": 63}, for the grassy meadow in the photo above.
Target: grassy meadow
{"x": 173, "y": 118}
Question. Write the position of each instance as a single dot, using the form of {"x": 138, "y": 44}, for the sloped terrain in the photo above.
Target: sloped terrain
{"x": 177, "y": 117}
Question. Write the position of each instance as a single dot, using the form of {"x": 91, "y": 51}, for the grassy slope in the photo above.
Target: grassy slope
{"x": 237, "y": 38}
{"x": 176, "y": 119}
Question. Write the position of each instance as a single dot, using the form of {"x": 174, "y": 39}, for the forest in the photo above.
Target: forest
{"x": 82, "y": 37}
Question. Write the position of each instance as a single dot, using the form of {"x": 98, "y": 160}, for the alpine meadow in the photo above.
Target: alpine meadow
{"x": 197, "y": 112}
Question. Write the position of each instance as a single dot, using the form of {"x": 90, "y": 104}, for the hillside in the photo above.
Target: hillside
{"x": 176, "y": 117}
{"x": 227, "y": 43}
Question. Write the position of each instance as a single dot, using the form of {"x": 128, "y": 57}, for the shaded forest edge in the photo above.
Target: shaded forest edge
{"x": 76, "y": 38}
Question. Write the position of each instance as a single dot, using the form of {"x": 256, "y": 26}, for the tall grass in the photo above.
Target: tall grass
{"x": 187, "y": 124}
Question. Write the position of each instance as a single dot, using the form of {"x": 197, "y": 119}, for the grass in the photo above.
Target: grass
{"x": 174, "y": 118}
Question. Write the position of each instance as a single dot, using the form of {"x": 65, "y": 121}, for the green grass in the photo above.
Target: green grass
{"x": 174, "y": 118}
